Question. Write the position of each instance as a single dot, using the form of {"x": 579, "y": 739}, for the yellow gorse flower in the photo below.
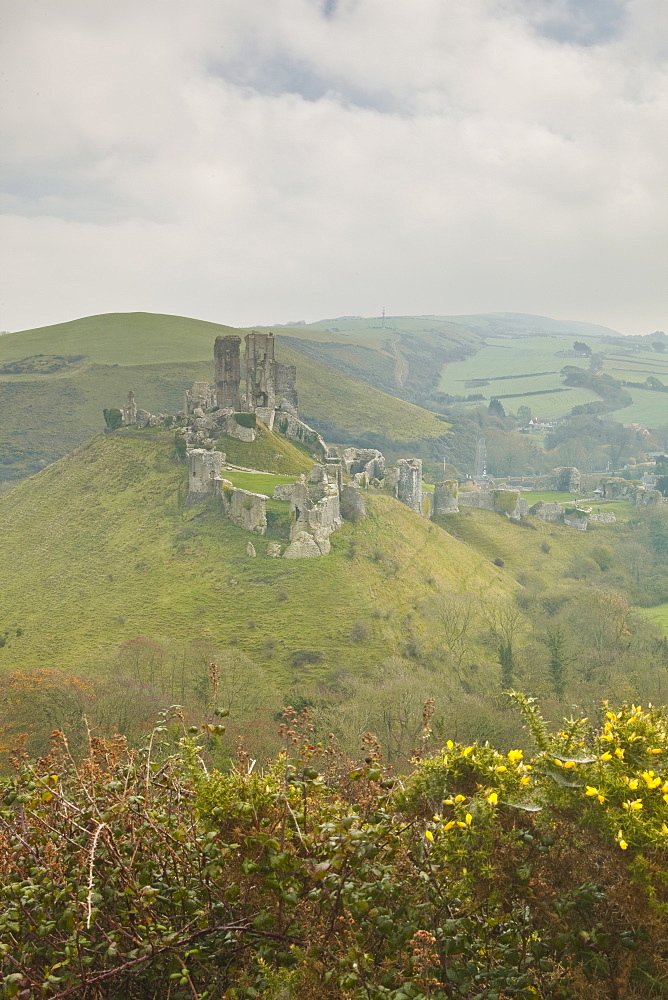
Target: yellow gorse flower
{"x": 493, "y": 798}
{"x": 429, "y": 835}
{"x": 605, "y": 756}
{"x": 515, "y": 755}
{"x": 635, "y": 805}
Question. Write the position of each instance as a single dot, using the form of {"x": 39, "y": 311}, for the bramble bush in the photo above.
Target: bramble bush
{"x": 139, "y": 873}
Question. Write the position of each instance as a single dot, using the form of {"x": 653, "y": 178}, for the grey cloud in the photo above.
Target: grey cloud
{"x": 261, "y": 159}
{"x": 578, "y": 22}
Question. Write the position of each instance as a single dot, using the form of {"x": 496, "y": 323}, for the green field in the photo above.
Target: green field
{"x": 535, "y": 360}
{"x": 648, "y": 407}
{"x": 659, "y": 615}
{"x": 533, "y": 366}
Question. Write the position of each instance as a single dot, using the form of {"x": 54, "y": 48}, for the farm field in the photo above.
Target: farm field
{"x": 648, "y": 407}
{"x": 518, "y": 365}
{"x": 546, "y": 406}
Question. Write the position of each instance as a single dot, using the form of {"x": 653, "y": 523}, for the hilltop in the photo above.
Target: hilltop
{"x": 98, "y": 549}
{"x": 55, "y": 381}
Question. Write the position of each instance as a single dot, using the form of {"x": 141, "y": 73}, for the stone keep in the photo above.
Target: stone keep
{"x": 260, "y": 374}
{"x": 203, "y": 469}
{"x": 409, "y": 484}
{"x": 227, "y": 363}
{"x": 444, "y": 498}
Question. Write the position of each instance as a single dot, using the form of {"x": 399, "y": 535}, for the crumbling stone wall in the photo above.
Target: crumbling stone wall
{"x": 295, "y": 429}
{"x": 648, "y": 497}
{"x": 286, "y": 388}
{"x": 409, "y": 484}
{"x": 566, "y": 479}
{"x": 351, "y": 504}
{"x": 507, "y": 502}
{"x": 227, "y": 364}
{"x": 572, "y": 521}
{"x": 602, "y": 517}
{"x": 199, "y": 397}
{"x": 551, "y": 512}
{"x": 368, "y": 461}
{"x": 444, "y": 498}
{"x": 247, "y": 510}
{"x": 203, "y": 470}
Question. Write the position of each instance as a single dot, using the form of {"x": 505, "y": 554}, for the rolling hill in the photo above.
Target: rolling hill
{"x": 99, "y": 549}
{"x": 55, "y": 381}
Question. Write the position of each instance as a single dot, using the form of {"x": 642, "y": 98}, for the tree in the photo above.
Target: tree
{"x": 555, "y": 640}
{"x": 581, "y": 347}
{"x": 113, "y": 418}
{"x": 495, "y": 408}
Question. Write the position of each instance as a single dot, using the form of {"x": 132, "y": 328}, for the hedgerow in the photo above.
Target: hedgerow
{"x": 481, "y": 874}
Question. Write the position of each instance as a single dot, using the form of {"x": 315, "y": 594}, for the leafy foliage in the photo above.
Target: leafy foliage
{"x": 482, "y": 874}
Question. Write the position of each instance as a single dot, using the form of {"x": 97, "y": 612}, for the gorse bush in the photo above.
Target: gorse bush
{"x": 481, "y": 875}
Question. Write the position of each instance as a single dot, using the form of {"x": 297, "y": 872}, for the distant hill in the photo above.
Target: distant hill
{"x": 69, "y": 372}
{"x": 516, "y": 324}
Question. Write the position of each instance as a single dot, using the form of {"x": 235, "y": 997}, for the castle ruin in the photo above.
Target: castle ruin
{"x": 227, "y": 371}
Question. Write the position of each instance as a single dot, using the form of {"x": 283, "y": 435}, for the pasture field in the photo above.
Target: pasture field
{"x": 658, "y": 614}
{"x": 516, "y": 365}
{"x": 648, "y": 407}
{"x": 547, "y": 406}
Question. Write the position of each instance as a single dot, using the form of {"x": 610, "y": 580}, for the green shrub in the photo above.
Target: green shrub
{"x": 245, "y": 419}
{"x": 301, "y": 657}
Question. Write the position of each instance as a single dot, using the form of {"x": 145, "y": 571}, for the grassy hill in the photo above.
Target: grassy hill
{"x": 55, "y": 381}
{"x": 98, "y": 549}
{"x": 108, "y": 576}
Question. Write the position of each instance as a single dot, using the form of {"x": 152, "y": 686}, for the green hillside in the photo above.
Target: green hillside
{"x": 55, "y": 381}
{"x": 98, "y": 549}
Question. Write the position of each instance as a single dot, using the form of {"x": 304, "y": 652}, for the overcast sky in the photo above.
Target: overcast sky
{"x": 260, "y": 161}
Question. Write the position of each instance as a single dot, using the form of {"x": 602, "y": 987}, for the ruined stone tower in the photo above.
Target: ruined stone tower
{"x": 227, "y": 360}
{"x": 129, "y": 411}
{"x": 409, "y": 484}
{"x": 444, "y": 498}
{"x": 260, "y": 375}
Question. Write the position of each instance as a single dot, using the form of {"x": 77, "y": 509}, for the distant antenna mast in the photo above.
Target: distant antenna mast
{"x": 383, "y": 323}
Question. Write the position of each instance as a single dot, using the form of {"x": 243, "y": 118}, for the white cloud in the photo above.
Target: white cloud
{"x": 257, "y": 161}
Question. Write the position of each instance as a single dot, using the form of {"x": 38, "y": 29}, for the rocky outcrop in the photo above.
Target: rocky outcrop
{"x": 302, "y": 546}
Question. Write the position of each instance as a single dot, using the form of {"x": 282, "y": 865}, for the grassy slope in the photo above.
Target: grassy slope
{"x": 520, "y": 548}
{"x": 43, "y": 417}
{"x": 98, "y": 549}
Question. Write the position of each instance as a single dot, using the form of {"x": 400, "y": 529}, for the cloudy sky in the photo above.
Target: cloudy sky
{"x": 260, "y": 161}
